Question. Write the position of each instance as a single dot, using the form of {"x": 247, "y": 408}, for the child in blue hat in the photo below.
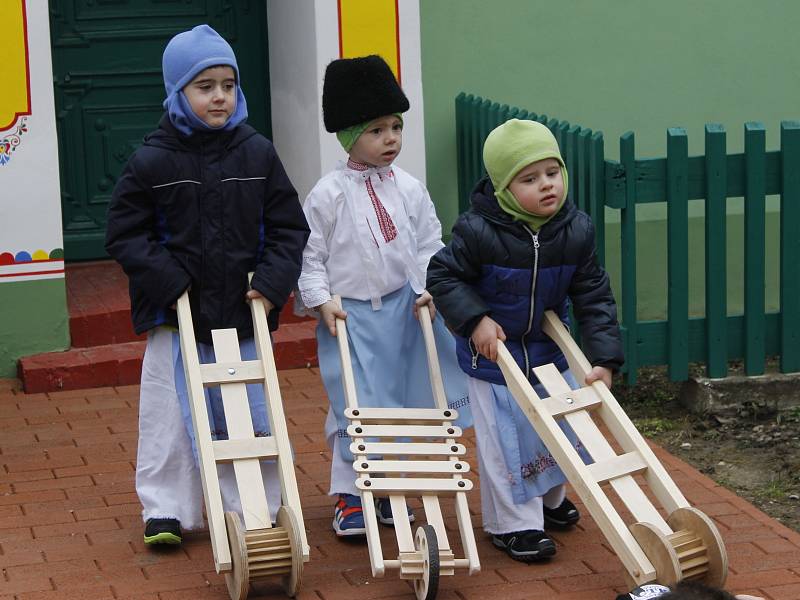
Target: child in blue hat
{"x": 204, "y": 201}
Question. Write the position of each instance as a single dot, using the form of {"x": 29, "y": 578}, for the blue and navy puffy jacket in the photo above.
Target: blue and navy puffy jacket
{"x": 203, "y": 211}
{"x": 499, "y": 267}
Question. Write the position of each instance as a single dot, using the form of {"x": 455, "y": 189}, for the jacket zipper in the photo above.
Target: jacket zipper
{"x": 474, "y": 352}
{"x": 535, "y": 238}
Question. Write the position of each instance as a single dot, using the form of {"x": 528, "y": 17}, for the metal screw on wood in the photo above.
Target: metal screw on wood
{"x": 231, "y": 371}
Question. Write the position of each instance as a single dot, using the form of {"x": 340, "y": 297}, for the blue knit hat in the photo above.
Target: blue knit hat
{"x": 186, "y": 55}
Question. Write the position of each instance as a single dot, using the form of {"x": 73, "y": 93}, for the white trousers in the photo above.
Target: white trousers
{"x": 500, "y": 514}
{"x": 343, "y": 477}
{"x": 167, "y": 476}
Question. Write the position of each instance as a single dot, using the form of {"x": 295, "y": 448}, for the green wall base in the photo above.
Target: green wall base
{"x": 33, "y": 319}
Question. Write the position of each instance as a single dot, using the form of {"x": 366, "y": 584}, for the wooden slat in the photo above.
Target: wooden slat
{"x": 402, "y": 526}
{"x": 351, "y": 399}
{"x": 208, "y": 467}
{"x": 628, "y": 254}
{"x": 754, "y": 248}
{"x": 409, "y": 449}
{"x": 790, "y": 247}
{"x": 623, "y": 464}
{"x": 406, "y": 466}
{"x": 373, "y": 535}
{"x": 434, "y": 372}
{"x": 257, "y": 447}
{"x": 574, "y": 400}
{"x": 716, "y": 252}
{"x": 597, "y": 193}
{"x": 246, "y": 371}
{"x": 467, "y": 534}
{"x": 392, "y": 431}
{"x": 401, "y": 414}
{"x": 413, "y": 484}
{"x": 249, "y": 480}
{"x": 433, "y": 515}
{"x": 272, "y": 394}
{"x": 678, "y": 253}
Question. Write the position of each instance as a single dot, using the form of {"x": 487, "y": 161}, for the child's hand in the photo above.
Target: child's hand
{"x": 599, "y": 374}
{"x": 253, "y": 294}
{"x": 329, "y": 312}
{"x": 424, "y": 300}
{"x": 485, "y": 337}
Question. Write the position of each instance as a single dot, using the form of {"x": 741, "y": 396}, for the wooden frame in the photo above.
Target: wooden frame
{"x": 256, "y": 548}
{"x": 434, "y": 469}
{"x": 686, "y": 544}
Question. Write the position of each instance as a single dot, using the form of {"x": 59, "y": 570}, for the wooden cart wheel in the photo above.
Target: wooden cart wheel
{"x": 288, "y": 521}
{"x": 428, "y": 546}
{"x": 264, "y": 553}
{"x": 715, "y": 570}
{"x": 658, "y": 549}
{"x": 694, "y": 551}
{"x": 238, "y": 579}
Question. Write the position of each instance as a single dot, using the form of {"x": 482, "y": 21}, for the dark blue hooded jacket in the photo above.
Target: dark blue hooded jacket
{"x": 203, "y": 211}
{"x": 500, "y": 267}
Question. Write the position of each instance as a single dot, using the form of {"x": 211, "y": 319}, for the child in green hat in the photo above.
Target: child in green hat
{"x": 520, "y": 250}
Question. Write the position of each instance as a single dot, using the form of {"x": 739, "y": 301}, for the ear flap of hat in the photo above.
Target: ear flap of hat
{"x": 356, "y": 90}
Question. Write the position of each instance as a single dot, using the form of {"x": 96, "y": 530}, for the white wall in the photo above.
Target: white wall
{"x": 303, "y": 39}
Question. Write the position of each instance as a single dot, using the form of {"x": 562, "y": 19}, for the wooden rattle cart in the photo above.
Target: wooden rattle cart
{"x": 256, "y": 549}
{"x": 687, "y": 545}
{"x": 396, "y": 455}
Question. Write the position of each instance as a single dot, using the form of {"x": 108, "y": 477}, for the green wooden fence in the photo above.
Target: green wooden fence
{"x": 597, "y": 182}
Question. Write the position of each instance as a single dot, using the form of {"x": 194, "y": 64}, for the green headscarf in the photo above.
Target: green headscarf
{"x": 348, "y": 137}
{"x": 510, "y": 148}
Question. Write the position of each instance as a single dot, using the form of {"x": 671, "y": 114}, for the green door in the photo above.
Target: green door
{"x": 108, "y": 90}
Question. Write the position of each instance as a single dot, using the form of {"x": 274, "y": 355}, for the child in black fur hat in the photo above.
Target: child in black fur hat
{"x": 373, "y": 230}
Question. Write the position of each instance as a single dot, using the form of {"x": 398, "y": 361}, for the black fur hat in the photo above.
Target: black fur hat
{"x": 358, "y": 90}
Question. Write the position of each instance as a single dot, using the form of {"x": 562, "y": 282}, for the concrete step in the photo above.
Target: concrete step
{"x": 295, "y": 346}
{"x": 107, "y": 352}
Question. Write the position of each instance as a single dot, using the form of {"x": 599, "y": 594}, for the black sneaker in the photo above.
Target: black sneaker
{"x": 566, "y": 515}
{"x": 383, "y": 509}
{"x": 162, "y": 531}
{"x": 527, "y": 546}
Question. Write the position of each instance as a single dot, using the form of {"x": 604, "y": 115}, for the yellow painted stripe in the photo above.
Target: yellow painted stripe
{"x": 14, "y": 99}
{"x": 370, "y": 27}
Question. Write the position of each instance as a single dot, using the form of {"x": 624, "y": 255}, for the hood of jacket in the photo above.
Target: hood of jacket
{"x": 484, "y": 203}
{"x": 169, "y": 138}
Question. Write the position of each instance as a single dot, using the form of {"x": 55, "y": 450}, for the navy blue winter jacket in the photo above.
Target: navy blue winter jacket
{"x": 203, "y": 211}
{"x": 499, "y": 267}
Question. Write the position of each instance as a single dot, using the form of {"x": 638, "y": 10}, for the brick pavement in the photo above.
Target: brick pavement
{"x": 70, "y": 524}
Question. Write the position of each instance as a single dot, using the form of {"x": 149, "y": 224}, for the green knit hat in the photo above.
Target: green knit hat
{"x": 349, "y": 136}
{"x": 510, "y": 148}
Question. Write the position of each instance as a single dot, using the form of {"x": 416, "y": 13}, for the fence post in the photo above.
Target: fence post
{"x": 628, "y": 261}
{"x": 597, "y": 189}
{"x": 582, "y": 166}
{"x": 716, "y": 257}
{"x": 678, "y": 253}
{"x": 754, "y": 269}
{"x": 462, "y": 153}
{"x": 790, "y": 246}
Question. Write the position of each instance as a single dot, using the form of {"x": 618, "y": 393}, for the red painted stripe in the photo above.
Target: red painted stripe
{"x": 339, "y": 16}
{"x": 31, "y": 273}
{"x": 397, "y": 39}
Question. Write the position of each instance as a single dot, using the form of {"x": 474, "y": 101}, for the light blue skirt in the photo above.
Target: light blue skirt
{"x": 532, "y": 470}
{"x": 213, "y": 395}
{"x": 390, "y": 366}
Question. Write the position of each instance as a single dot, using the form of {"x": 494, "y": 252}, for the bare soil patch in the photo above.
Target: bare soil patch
{"x": 755, "y": 454}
